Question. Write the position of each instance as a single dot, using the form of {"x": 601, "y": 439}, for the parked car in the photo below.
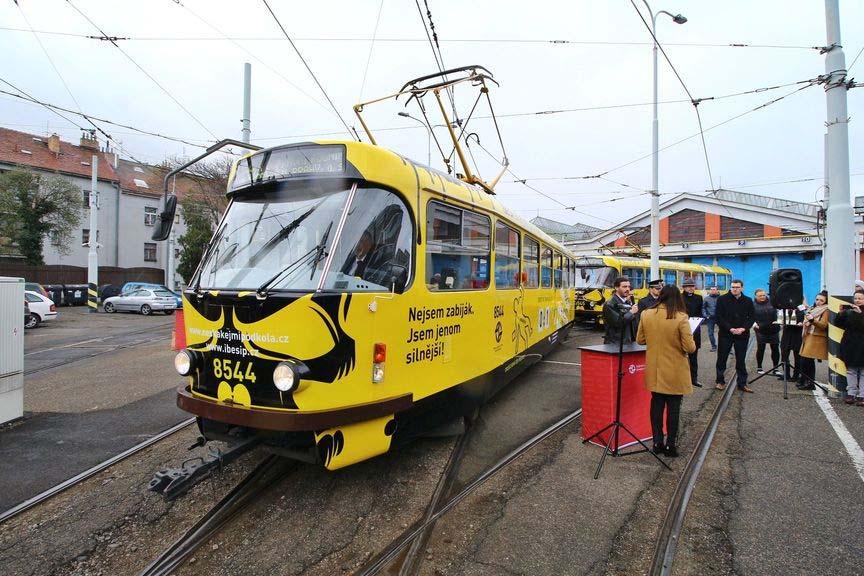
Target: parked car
{"x": 41, "y": 309}
{"x": 143, "y": 300}
{"x": 130, "y": 286}
{"x": 36, "y": 287}
{"x": 26, "y": 312}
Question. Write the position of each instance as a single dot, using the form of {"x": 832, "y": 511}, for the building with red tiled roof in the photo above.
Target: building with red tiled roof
{"x": 129, "y": 196}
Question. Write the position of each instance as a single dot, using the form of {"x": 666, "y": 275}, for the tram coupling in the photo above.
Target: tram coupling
{"x": 174, "y": 482}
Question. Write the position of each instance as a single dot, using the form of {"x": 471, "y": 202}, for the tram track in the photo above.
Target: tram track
{"x": 101, "y": 352}
{"x": 78, "y": 478}
{"x": 390, "y": 553}
{"x": 666, "y": 543}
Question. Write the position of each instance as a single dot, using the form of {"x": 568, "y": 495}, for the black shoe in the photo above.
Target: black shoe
{"x": 807, "y": 387}
{"x": 800, "y": 385}
{"x": 659, "y": 449}
{"x": 671, "y": 451}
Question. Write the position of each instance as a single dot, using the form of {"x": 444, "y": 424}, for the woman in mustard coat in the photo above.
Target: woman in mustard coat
{"x": 665, "y": 331}
{"x": 814, "y": 345}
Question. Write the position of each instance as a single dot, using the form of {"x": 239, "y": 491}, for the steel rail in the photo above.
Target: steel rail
{"x": 411, "y": 559}
{"x": 95, "y": 354}
{"x": 268, "y": 472}
{"x": 27, "y": 504}
{"x": 670, "y": 531}
{"x": 388, "y": 554}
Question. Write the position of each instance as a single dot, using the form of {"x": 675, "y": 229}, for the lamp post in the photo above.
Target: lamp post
{"x": 428, "y": 136}
{"x": 655, "y": 186}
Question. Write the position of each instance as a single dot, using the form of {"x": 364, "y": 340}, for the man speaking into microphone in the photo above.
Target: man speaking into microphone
{"x": 620, "y": 314}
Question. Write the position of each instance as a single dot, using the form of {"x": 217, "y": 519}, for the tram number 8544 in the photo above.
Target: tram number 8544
{"x": 225, "y": 368}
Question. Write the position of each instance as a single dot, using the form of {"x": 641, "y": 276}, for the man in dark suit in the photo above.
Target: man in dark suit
{"x": 693, "y": 303}
{"x": 619, "y": 314}
{"x": 735, "y": 317}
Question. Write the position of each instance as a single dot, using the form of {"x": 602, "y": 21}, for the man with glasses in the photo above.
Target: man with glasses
{"x": 735, "y": 317}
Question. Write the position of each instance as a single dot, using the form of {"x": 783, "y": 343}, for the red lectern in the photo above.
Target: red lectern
{"x": 599, "y": 391}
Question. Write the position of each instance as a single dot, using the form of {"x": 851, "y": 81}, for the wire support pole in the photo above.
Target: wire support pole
{"x": 839, "y": 252}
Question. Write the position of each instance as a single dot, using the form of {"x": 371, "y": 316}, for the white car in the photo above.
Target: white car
{"x": 41, "y": 309}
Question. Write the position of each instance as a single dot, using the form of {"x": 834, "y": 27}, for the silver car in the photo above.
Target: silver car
{"x": 143, "y": 300}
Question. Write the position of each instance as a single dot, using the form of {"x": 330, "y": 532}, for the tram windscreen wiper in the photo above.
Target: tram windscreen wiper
{"x": 312, "y": 257}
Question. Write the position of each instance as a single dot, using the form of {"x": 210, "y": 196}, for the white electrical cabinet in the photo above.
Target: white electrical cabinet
{"x": 11, "y": 348}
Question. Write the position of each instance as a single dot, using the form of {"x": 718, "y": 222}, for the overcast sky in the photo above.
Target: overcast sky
{"x": 605, "y": 62}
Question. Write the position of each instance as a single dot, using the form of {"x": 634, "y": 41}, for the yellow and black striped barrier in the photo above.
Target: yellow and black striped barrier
{"x": 92, "y": 297}
{"x": 836, "y": 367}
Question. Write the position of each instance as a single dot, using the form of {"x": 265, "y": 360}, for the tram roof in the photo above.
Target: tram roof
{"x": 381, "y": 165}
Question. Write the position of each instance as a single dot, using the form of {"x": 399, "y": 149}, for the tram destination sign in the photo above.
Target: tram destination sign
{"x": 292, "y": 162}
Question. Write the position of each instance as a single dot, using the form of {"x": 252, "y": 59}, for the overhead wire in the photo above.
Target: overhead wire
{"x": 252, "y": 54}
{"x": 848, "y": 68}
{"x": 371, "y": 48}
{"x": 107, "y": 136}
{"x": 432, "y": 38}
{"x": 683, "y": 85}
{"x": 55, "y": 108}
{"x": 150, "y": 76}
{"x": 553, "y": 41}
{"x": 309, "y": 69}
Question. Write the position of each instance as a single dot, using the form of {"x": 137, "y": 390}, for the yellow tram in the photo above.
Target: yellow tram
{"x": 352, "y": 299}
{"x": 596, "y": 274}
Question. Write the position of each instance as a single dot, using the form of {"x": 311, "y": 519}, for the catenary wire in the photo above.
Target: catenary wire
{"x": 55, "y": 108}
{"x": 107, "y": 136}
{"x": 684, "y": 86}
{"x": 371, "y": 48}
{"x": 553, "y": 41}
{"x": 294, "y": 46}
{"x": 161, "y": 87}
{"x": 432, "y": 38}
{"x": 252, "y": 55}
{"x": 854, "y": 60}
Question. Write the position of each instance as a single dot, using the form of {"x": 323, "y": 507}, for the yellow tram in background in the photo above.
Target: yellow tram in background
{"x": 596, "y": 274}
{"x": 352, "y": 299}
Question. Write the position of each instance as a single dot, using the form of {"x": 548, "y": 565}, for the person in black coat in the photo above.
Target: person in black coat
{"x": 620, "y": 314}
{"x": 734, "y": 318}
{"x": 649, "y": 301}
{"x": 851, "y": 320}
{"x": 693, "y": 303}
{"x": 767, "y": 330}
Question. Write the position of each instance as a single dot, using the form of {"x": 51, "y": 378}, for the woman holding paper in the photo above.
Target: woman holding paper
{"x": 665, "y": 331}
{"x": 814, "y": 345}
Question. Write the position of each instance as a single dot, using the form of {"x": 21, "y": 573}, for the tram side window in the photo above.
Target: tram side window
{"x": 700, "y": 283}
{"x": 722, "y": 282}
{"x": 556, "y": 274}
{"x": 531, "y": 256}
{"x": 506, "y": 256}
{"x": 709, "y": 280}
{"x": 546, "y": 268}
{"x": 636, "y": 276}
{"x": 565, "y": 272}
{"x": 457, "y": 248}
{"x": 670, "y": 277}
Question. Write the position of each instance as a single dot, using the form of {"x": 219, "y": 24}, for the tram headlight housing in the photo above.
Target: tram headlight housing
{"x": 184, "y": 362}
{"x": 285, "y": 378}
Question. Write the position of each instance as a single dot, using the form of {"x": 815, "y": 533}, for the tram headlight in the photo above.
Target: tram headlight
{"x": 285, "y": 378}
{"x": 184, "y": 361}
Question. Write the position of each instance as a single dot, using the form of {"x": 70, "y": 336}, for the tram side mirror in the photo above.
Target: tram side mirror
{"x": 398, "y": 277}
{"x": 166, "y": 219}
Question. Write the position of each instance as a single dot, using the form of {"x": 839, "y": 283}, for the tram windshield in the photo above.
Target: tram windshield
{"x": 593, "y": 273}
{"x": 283, "y": 239}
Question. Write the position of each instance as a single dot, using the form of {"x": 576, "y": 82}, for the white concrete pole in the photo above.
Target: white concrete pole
{"x": 839, "y": 254}
{"x": 247, "y": 101}
{"x": 92, "y": 255}
{"x": 655, "y": 175}
{"x": 655, "y": 146}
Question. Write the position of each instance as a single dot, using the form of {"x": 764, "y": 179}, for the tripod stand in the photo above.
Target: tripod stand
{"x": 783, "y": 364}
{"x": 616, "y": 425}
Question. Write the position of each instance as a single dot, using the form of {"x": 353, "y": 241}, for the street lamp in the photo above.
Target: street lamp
{"x": 655, "y": 187}
{"x": 428, "y": 136}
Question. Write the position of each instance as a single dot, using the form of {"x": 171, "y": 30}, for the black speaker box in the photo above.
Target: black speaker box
{"x": 785, "y": 288}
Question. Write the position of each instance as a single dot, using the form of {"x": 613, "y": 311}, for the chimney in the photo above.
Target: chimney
{"x": 89, "y": 141}
{"x": 54, "y": 144}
